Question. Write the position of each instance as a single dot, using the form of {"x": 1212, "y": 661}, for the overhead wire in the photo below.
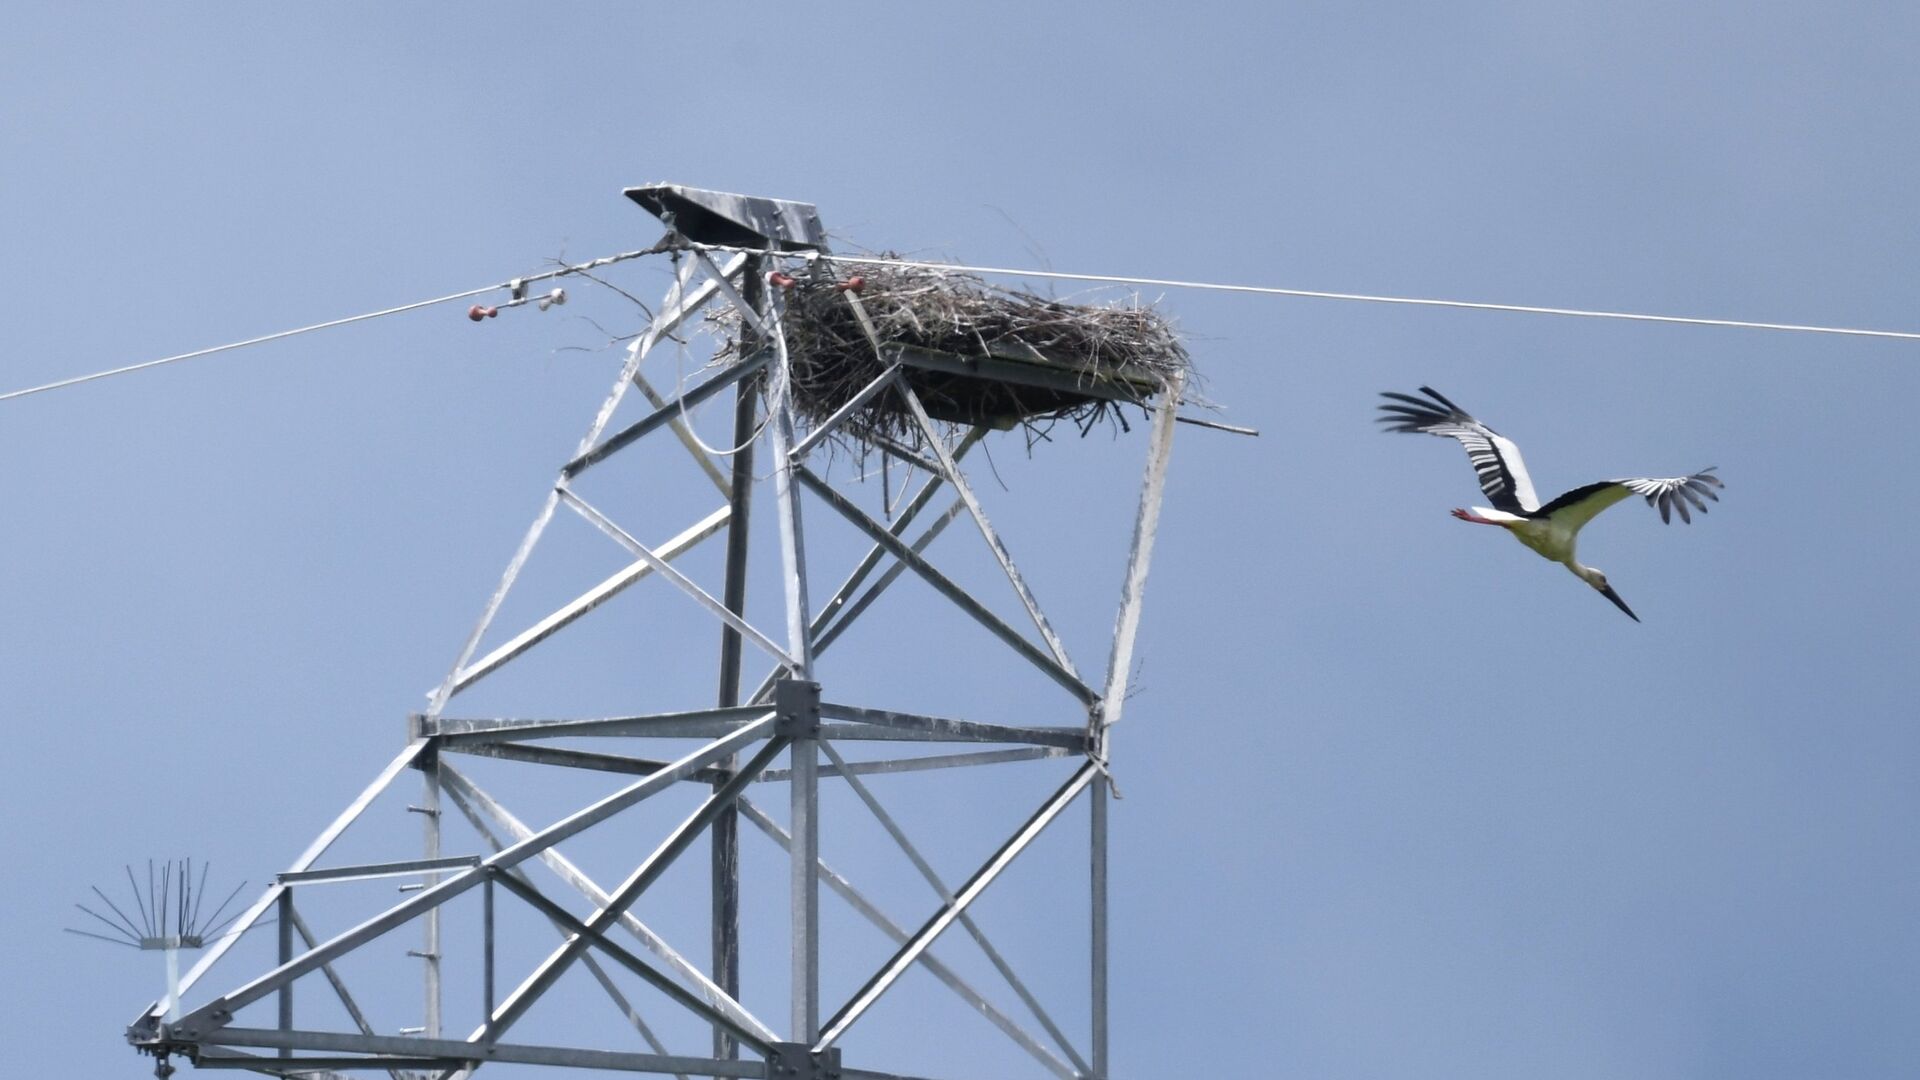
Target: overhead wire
{"x": 578, "y": 268}
{"x": 1009, "y": 271}
{"x": 1317, "y": 294}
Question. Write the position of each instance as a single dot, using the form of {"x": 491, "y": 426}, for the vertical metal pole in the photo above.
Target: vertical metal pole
{"x": 804, "y": 784}
{"x": 805, "y": 850}
{"x": 1098, "y": 919}
{"x": 486, "y": 945}
{"x": 430, "y": 940}
{"x": 726, "y": 827}
{"x": 285, "y": 919}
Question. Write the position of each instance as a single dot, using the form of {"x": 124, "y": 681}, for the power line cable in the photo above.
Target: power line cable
{"x": 363, "y": 317}
{"x": 1117, "y": 279}
{"x": 1315, "y": 294}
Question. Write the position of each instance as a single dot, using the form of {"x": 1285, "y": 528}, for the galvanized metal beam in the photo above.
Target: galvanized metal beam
{"x": 665, "y": 569}
{"x": 819, "y": 632}
{"x": 923, "y": 764}
{"x": 719, "y": 721}
{"x": 661, "y": 417}
{"x": 362, "y": 871}
{"x": 687, "y": 438}
{"x": 504, "y": 1053}
{"x": 613, "y": 992}
{"x": 474, "y": 801}
{"x": 946, "y": 587}
{"x": 853, "y": 404}
{"x": 864, "y": 998}
{"x": 956, "y": 730}
{"x": 724, "y": 858}
{"x": 1146, "y": 527}
{"x": 677, "y": 307}
{"x": 565, "y": 615}
{"x": 581, "y": 759}
{"x": 543, "y": 977}
{"x": 1000, "y": 553}
{"x": 895, "y": 933}
{"x": 220, "y": 1011}
{"x": 587, "y": 935}
{"x": 317, "y": 848}
{"x": 334, "y": 980}
{"x": 946, "y": 896}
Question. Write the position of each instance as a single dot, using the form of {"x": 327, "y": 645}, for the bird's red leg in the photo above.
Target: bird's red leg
{"x": 1465, "y": 515}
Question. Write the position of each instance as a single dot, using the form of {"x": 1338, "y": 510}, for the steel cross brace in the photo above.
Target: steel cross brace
{"x": 219, "y": 1012}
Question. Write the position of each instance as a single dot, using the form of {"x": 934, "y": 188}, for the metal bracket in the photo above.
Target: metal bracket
{"x": 798, "y": 1061}
{"x": 796, "y": 704}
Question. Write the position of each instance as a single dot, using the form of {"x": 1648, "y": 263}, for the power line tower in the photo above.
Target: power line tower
{"x": 742, "y": 267}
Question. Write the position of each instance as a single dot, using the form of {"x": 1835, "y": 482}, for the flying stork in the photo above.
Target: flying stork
{"x": 1549, "y": 530}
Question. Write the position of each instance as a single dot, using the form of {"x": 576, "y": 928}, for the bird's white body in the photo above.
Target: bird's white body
{"x": 1552, "y": 538}
{"x": 1553, "y": 529}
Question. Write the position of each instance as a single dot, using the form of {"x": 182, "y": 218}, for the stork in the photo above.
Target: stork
{"x": 1552, "y": 529}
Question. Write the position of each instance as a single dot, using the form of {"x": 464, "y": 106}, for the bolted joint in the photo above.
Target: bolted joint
{"x": 796, "y": 707}
{"x": 798, "y": 1061}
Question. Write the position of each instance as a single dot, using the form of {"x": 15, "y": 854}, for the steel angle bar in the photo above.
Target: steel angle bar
{"x": 793, "y": 547}
{"x": 665, "y": 569}
{"x": 826, "y": 427}
{"x": 1000, "y": 553}
{"x": 317, "y": 848}
{"x": 858, "y": 607}
{"x": 504, "y": 1053}
{"x": 956, "y": 730}
{"x": 865, "y": 566}
{"x": 613, "y": 993}
{"x": 587, "y": 601}
{"x": 679, "y": 306}
{"x": 896, "y": 449}
{"x": 1146, "y": 526}
{"x": 722, "y": 280}
{"x": 857, "y": 1005}
{"x": 1007, "y": 370}
{"x": 946, "y": 896}
{"x": 619, "y": 999}
{"x": 587, "y": 934}
{"x": 687, "y": 438}
{"x": 931, "y": 761}
{"x": 578, "y": 759}
{"x": 339, "y": 985}
{"x": 437, "y": 702}
{"x": 317, "y": 1067}
{"x": 1074, "y": 738}
{"x": 220, "y": 1011}
{"x": 543, "y": 977}
{"x": 946, "y": 587}
{"x": 653, "y": 421}
{"x": 895, "y": 933}
{"x": 378, "y": 870}
{"x": 707, "y": 723}
{"x": 724, "y": 841}
{"x": 474, "y": 800}
{"x": 1097, "y": 924}
{"x": 803, "y": 877}
{"x": 677, "y": 309}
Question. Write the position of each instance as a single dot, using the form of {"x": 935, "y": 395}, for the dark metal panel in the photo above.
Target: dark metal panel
{"x": 721, "y": 217}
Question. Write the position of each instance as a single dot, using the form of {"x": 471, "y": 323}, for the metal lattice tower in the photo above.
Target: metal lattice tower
{"x": 792, "y": 729}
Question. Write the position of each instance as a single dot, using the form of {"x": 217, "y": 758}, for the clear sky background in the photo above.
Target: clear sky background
{"x": 1401, "y": 798}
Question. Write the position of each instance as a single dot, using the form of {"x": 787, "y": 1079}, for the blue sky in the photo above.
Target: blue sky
{"x": 1401, "y": 799}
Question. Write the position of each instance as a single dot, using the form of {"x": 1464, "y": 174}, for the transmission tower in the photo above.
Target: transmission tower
{"x": 504, "y": 938}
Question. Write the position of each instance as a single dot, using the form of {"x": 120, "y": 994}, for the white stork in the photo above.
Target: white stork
{"x": 1549, "y": 530}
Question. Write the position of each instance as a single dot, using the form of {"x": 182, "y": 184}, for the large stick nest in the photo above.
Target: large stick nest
{"x": 973, "y": 353}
